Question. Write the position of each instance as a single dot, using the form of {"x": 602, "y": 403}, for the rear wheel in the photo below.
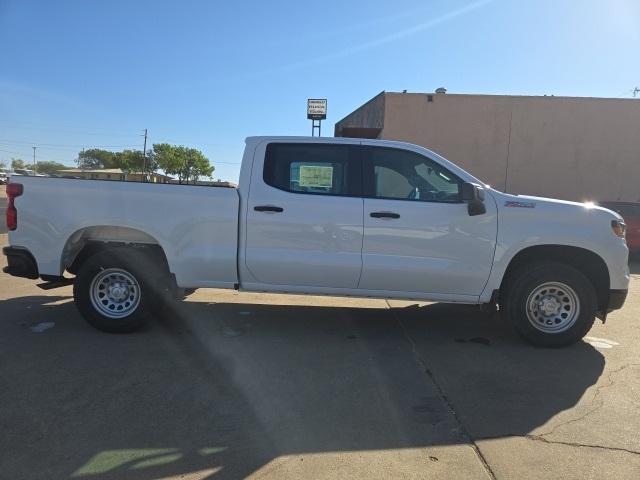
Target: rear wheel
{"x": 550, "y": 304}
{"x": 114, "y": 290}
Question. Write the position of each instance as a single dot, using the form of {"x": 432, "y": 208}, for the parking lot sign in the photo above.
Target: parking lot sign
{"x": 317, "y": 108}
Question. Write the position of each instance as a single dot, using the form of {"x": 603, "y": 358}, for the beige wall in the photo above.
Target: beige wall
{"x": 153, "y": 178}
{"x": 99, "y": 176}
{"x": 571, "y": 148}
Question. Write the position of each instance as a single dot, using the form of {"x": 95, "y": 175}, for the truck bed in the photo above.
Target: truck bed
{"x": 196, "y": 226}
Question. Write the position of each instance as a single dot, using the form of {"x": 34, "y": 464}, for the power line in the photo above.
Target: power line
{"x": 48, "y": 157}
{"x": 75, "y": 147}
{"x": 193, "y": 142}
{"x": 65, "y": 145}
{"x": 162, "y": 140}
{"x": 69, "y": 130}
{"x": 69, "y": 149}
{"x": 60, "y": 145}
{"x": 76, "y": 150}
{"x": 10, "y": 151}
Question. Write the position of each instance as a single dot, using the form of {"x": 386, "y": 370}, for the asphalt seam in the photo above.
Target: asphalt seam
{"x": 466, "y": 436}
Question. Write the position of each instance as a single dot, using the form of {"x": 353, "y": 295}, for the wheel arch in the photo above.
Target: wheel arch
{"x": 89, "y": 240}
{"x": 586, "y": 261}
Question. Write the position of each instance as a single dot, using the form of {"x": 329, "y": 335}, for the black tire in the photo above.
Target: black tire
{"x": 526, "y": 281}
{"x": 136, "y": 265}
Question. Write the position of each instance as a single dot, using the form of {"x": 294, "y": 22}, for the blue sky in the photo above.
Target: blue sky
{"x": 207, "y": 74}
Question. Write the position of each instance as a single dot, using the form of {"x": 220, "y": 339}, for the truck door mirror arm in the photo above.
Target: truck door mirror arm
{"x": 473, "y": 195}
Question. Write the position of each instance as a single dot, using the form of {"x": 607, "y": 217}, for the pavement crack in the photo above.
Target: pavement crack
{"x": 538, "y": 438}
{"x": 541, "y": 439}
{"x": 610, "y": 383}
{"x": 466, "y": 436}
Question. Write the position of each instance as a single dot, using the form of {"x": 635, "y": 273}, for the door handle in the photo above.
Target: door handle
{"x": 268, "y": 208}
{"x": 384, "y": 215}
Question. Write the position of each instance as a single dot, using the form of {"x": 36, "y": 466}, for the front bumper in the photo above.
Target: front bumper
{"x": 616, "y": 299}
{"x": 20, "y": 263}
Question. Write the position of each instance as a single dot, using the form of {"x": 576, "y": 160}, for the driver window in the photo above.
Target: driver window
{"x": 404, "y": 175}
{"x": 390, "y": 184}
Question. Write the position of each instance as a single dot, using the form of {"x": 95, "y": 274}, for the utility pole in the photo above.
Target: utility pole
{"x": 35, "y": 167}
{"x": 144, "y": 157}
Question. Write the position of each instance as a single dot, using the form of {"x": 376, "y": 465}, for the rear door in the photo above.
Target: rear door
{"x": 418, "y": 235}
{"x": 304, "y": 215}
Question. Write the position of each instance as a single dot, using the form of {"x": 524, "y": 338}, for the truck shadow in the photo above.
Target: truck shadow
{"x": 226, "y": 388}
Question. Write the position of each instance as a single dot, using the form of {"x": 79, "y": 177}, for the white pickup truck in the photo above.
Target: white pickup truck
{"x": 323, "y": 216}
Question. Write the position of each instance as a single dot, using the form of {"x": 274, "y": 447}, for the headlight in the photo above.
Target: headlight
{"x": 619, "y": 228}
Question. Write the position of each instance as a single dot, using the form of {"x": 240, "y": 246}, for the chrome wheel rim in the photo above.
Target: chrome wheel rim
{"x": 115, "y": 293}
{"x": 553, "y": 307}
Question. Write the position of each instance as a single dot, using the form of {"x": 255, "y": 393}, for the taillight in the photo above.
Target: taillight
{"x": 13, "y": 190}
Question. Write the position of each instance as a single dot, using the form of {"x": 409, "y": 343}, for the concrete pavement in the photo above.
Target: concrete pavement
{"x": 235, "y": 385}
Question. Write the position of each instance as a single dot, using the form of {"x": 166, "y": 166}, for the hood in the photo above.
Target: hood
{"x": 507, "y": 200}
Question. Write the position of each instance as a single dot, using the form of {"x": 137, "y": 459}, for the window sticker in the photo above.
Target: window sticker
{"x": 314, "y": 176}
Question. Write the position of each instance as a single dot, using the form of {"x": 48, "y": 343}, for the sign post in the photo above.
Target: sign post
{"x": 316, "y": 112}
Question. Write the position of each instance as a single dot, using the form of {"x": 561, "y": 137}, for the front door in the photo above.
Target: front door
{"x": 418, "y": 235}
{"x": 304, "y": 216}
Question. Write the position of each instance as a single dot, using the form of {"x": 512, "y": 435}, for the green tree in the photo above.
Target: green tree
{"x": 3, "y": 164}
{"x": 96, "y": 158}
{"x": 199, "y": 165}
{"x": 135, "y": 161}
{"x": 50, "y": 167}
{"x": 168, "y": 159}
{"x": 188, "y": 164}
{"x": 130, "y": 160}
{"x": 18, "y": 163}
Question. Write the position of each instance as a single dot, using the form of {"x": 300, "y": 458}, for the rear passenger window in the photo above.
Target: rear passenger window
{"x": 313, "y": 168}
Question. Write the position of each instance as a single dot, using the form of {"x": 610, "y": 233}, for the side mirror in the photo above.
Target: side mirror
{"x": 473, "y": 194}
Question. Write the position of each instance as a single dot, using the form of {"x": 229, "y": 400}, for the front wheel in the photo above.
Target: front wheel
{"x": 113, "y": 291}
{"x": 550, "y": 304}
